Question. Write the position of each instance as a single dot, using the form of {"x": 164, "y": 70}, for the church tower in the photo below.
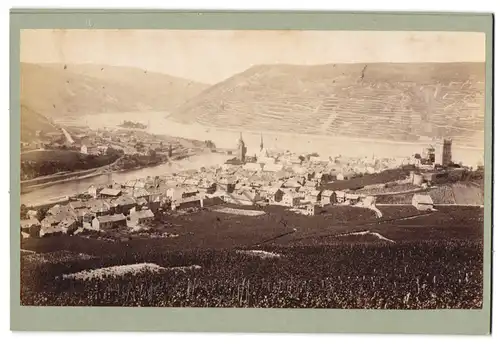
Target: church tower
{"x": 170, "y": 150}
{"x": 261, "y": 143}
{"x": 242, "y": 149}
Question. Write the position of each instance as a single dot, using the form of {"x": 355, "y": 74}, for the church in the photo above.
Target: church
{"x": 241, "y": 153}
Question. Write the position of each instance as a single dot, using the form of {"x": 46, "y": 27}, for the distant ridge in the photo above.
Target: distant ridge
{"x": 56, "y": 90}
{"x": 390, "y": 101}
{"x": 31, "y": 122}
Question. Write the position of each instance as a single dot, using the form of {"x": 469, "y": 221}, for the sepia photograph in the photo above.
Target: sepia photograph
{"x": 252, "y": 168}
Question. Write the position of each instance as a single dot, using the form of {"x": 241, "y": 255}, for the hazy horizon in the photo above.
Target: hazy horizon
{"x": 212, "y": 56}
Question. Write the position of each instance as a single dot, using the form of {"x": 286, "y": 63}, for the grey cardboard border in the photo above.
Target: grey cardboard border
{"x": 244, "y": 320}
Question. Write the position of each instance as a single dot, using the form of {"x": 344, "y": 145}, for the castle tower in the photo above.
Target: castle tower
{"x": 447, "y": 158}
{"x": 443, "y": 153}
{"x": 242, "y": 149}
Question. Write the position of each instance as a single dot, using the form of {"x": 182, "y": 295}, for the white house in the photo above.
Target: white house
{"x": 422, "y": 202}
{"x": 290, "y": 199}
{"x": 340, "y": 196}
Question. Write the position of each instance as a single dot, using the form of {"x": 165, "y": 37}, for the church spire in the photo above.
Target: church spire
{"x": 241, "y": 149}
{"x": 261, "y": 142}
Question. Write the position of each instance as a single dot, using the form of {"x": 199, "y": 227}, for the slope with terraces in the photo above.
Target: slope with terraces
{"x": 399, "y": 102}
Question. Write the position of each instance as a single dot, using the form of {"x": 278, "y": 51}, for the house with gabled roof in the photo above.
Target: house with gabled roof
{"x": 140, "y": 193}
{"x": 58, "y": 209}
{"x": 352, "y": 198}
{"x": 207, "y": 186}
{"x": 191, "y": 182}
{"x": 63, "y": 222}
{"x": 311, "y": 184}
{"x": 188, "y": 202}
{"x": 275, "y": 194}
{"x": 130, "y": 184}
{"x": 107, "y": 222}
{"x": 99, "y": 207}
{"x": 78, "y": 205}
{"x": 313, "y": 196}
{"x": 109, "y": 193}
{"x": 141, "y": 217}
{"x": 422, "y": 202}
{"x": 31, "y": 227}
{"x": 312, "y": 209}
{"x": 340, "y": 196}
{"x": 123, "y": 204}
{"x": 245, "y": 195}
{"x": 226, "y": 185}
{"x": 292, "y": 183}
{"x": 328, "y": 197}
{"x": 290, "y": 198}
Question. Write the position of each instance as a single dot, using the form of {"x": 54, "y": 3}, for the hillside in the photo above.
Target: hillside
{"x": 402, "y": 102}
{"x": 56, "y": 90}
{"x": 32, "y": 121}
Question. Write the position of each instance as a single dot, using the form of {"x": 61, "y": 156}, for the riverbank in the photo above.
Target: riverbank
{"x": 80, "y": 175}
{"x": 76, "y": 186}
{"x": 61, "y": 177}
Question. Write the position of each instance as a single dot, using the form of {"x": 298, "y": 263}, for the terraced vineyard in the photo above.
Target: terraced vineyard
{"x": 400, "y": 102}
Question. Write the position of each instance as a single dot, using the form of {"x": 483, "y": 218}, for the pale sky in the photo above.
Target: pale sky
{"x": 212, "y": 56}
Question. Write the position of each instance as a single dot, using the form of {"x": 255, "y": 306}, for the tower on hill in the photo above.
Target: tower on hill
{"x": 443, "y": 153}
{"x": 242, "y": 149}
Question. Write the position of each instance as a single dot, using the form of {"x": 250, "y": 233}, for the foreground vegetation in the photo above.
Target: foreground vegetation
{"x": 347, "y": 275}
{"x": 429, "y": 260}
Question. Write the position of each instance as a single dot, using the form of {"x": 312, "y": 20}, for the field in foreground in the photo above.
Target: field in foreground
{"x": 405, "y": 260}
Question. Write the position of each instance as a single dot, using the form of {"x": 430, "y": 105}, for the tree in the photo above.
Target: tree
{"x": 41, "y": 213}
{"x": 139, "y": 146}
{"x": 24, "y": 211}
{"x": 114, "y": 152}
{"x": 210, "y": 144}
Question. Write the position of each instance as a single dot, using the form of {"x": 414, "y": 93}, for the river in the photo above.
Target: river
{"x": 158, "y": 123}
{"x": 72, "y": 187}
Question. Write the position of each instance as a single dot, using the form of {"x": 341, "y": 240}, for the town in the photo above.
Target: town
{"x": 305, "y": 184}
{"x": 58, "y": 154}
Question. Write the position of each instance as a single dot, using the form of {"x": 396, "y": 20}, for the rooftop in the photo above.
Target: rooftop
{"x": 110, "y": 192}
{"x": 111, "y": 218}
{"x": 124, "y": 200}
{"x": 29, "y": 223}
{"x": 143, "y": 214}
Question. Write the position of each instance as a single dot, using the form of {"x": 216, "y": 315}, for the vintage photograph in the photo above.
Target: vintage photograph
{"x": 252, "y": 169}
